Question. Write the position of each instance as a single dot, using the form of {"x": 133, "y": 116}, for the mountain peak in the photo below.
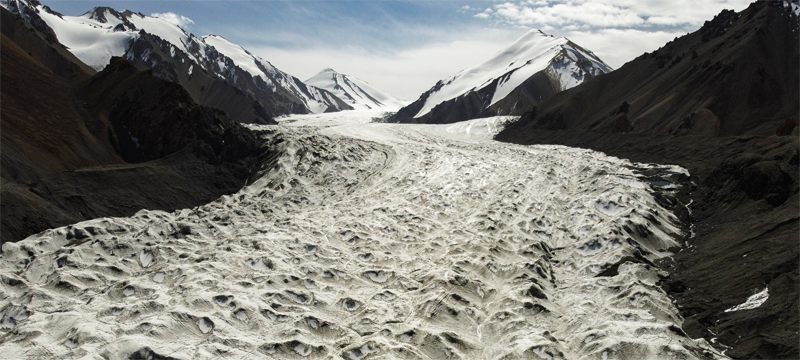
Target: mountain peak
{"x": 537, "y": 32}
{"x": 16, "y": 4}
{"x": 103, "y": 32}
{"x": 101, "y": 14}
{"x": 534, "y": 36}
{"x": 214, "y": 36}
{"x": 560, "y": 64}
{"x": 353, "y": 91}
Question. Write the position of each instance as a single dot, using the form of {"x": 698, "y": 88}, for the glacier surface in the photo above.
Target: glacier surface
{"x": 367, "y": 240}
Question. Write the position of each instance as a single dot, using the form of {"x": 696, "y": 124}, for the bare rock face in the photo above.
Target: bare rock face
{"x": 151, "y": 118}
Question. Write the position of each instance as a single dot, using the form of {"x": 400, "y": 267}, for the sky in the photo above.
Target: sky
{"x": 404, "y": 47}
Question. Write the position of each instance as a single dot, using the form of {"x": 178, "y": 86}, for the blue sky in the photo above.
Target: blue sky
{"x": 404, "y": 47}
{"x": 377, "y": 25}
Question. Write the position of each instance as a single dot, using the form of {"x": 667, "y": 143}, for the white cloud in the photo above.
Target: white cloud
{"x": 608, "y": 13}
{"x": 174, "y": 18}
{"x": 618, "y": 46}
{"x": 594, "y": 13}
{"x": 616, "y": 30}
{"x": 484, "y": 15}
{"x": 681, "y": 12}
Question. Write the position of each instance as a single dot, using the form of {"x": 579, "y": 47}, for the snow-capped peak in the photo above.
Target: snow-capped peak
{"x": 355, "y": 92}
{"x": 533, "y": 52}
{"x": 103, "y": 32}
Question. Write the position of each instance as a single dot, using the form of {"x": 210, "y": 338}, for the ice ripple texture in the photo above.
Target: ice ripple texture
{"x": 366, "y": 241}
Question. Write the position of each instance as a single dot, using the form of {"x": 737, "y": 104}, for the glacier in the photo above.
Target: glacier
{"x": 366, "y": 239}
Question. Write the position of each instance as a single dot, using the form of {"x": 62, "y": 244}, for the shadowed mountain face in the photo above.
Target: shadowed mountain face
{"x": 149, "y": 52}
{"x": 78, "y": 146}
{"x": 723, "y": 102}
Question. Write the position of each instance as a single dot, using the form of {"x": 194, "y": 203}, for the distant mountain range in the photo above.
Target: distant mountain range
{"x": 215, "y": 71}
{"x": 221, "y": 74}
{"x": 532, "y": 69}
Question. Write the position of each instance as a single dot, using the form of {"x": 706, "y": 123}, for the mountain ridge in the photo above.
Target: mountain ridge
{"x": 103, "y": 32}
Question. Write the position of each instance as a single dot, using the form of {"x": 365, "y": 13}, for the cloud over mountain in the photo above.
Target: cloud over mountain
{"x": 174, "y": 18}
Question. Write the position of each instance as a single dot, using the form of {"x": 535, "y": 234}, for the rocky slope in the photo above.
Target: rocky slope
{"x": 78, "y": 146}
{"x": 216, "y": 72}
{"x": 355, "y": 92}
{"x": 722, "y": 102}
{"x": 533, "y": 68}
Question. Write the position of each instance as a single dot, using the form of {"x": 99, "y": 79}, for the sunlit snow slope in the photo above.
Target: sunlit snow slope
{"x": 368, "y": 240}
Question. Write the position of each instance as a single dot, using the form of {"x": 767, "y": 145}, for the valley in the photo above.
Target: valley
{"x": 172, "y": 189}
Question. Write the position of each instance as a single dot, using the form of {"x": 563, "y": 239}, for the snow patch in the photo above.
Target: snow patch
{"x": 92, "y": 42}
{"x": 792, "y": 5}
{"x": 241, "y": 57}
{"x": 752, "y": 302}
{"x": 475, "y": 129}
